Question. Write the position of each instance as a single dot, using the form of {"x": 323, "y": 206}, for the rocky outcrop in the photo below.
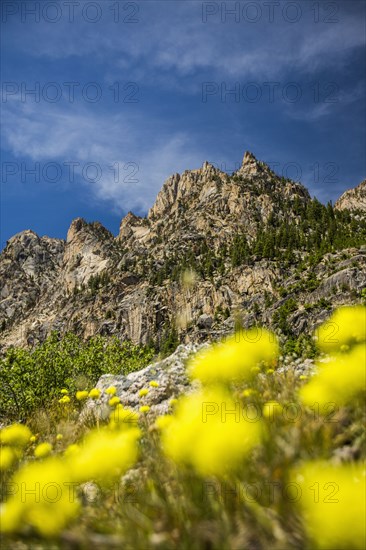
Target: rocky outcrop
{"x": 353, "y": 199}
{"x": 172, "y": 381}
{"x": 170, "y": 375}
{"x": 29, "y": 267}
{"x": 87, "y": 253}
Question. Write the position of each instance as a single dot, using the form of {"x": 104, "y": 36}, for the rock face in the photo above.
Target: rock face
{"x": 353, "y": 199}
{"x": 141, "y": 285}
{"x": 170, "y": 374}
{"x": 87, "y": 253}
{"x": 172, "y": 379}
{"x": 29, "y": 266}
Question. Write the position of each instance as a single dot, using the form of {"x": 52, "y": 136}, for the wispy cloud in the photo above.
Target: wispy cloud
{"x": 134, "y": 156}
{"x": 175, "y": 39}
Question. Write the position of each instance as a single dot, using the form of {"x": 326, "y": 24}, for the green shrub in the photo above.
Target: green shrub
{"x": 32, "y": 379}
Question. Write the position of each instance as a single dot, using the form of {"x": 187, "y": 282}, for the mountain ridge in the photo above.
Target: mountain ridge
{"x": 243, "y": 239}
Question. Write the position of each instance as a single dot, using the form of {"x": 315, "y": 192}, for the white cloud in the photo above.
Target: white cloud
{"x": 135, "y": 154}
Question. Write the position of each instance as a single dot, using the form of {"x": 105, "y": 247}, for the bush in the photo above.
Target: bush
{"x": 33, "y": 379}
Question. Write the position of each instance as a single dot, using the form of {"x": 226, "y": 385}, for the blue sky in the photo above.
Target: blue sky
{"x": 127, "y": 93}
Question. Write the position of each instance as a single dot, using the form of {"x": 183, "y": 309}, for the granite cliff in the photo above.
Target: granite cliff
{"x": 214, "y": 250}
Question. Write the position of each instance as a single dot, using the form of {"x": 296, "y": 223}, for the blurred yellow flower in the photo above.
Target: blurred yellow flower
{"x": 15, "y": 434}
{"x": 210, "y": 432}
{"x": 59, "y": 437}
{"x": 105, "y": 455}
{"x": 163, "y": 421}
{"x": 248, "y": 392}
{"x": 114, "y": 401}
{"x": 49, "y": 503}
{"x": 345, "y": 329}
{"x": 33, "y": 438}
{"x": 235, "y": 358}
{"x": 64, "y": 391}
{"x": 143, "y": 392}
{"x": 64, "y": 400}
{"x": 339, "y": 380}
{"x": 333, "y": 504}
{"x": 154, "y": 384}
{"x": 42, "y": 450}
{"x": 112, "y": 390}
{"x": 7, "y": 458}
{"x": 144, "y": 409}
{"x": 94, "y": 393}
{"x": 81, "y": 395}
{"x": 123, "y": 418}
{"x": 71, "y": 450}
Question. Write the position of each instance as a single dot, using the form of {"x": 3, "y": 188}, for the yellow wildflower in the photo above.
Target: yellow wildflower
{"x": 64, "y": 391}
{"x": 143, "y": 392}
{"x": 71, "y": 450}
{"x": 163, "y": 421}
{"x": 112, "y": 390}
{"x": 338, "y": 381}
{"x": 42, "y": 450}
{"x": 94, "y": 393}
{"x": 144, "y": 409}
{"x": 122, "y": 418}
{"x": 248, "y": 392}
{"x": 49, "y": 504}
{"x": 81, "y": 395}
{"x": 64, "y": 400}
{"x": 7, "y": 458}
{"x": 211, "y": 432}
{"x": 105, "y": 455}
{"x": 59, "y": 437}
{"x": 333, "y": 504}
{"x": 33, "y": 438}
{"x": 15, "y": 434}
{"x": 114, "y": 401}
{"x": 235, "y": 358}
{"x": 154, "y": 384}
{"x": 345, "y": 329}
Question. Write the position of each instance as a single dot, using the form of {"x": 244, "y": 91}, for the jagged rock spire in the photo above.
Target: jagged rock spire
{"x": 250, "y": 165}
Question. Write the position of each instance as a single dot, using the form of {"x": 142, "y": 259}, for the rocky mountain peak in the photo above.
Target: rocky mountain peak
{"x": 241, "y": 233}
{"x": 251, "y": 166}
{"x": 87, "y": 252}
{"x": 353, "y": 199}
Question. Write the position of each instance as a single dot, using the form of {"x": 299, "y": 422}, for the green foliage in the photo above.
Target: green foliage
{"x": 280, "y": 317}
{"x": 304, "y": 346}
{"x": 98, "y": 281}
{"x": 363, "y": 295}
{"x": 169, "y": 340}
{"x": 317, "y": 230}
{"x": 33, "y": 379}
